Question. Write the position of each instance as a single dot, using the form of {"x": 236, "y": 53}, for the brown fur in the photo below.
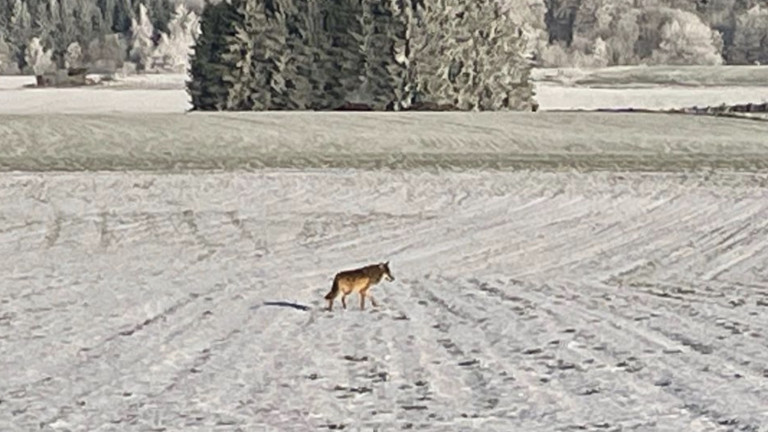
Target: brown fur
{"x": 358, "y": 280}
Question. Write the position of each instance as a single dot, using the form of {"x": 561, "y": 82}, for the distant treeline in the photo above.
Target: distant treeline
{"x": 107, "y": 33}
{"x": 42, "y": 34}
{"x": 625, "y": 32}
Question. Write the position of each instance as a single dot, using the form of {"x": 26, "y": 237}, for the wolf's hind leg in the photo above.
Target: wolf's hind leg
{"x": 362, "y": 300}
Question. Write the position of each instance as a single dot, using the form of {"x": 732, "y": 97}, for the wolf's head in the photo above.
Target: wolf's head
{"x": 384, "y": 267}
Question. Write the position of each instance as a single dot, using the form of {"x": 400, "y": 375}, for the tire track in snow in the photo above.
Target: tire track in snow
{"x": 665, "y": 341}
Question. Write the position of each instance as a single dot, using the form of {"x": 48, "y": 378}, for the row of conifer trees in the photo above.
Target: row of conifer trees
{"x": 386, "y": 54}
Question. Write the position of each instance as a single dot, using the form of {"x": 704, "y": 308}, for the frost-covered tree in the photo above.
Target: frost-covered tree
{"x": 529, "y": 17}
{"x": 141, "y": 39}
{"x": 67, "y": 30}
{"x": 42, "y": 19}
{"x": 750, "y": 39}
{"x": 175, "y": 47}
{"x": 492, "y": 69}
{"x": 634, "y": 31}
{"x": 320, "y": 54}
{"x": 685, "y": 40}
{"x": 107, "y": 52}
{"x": 383, "y": 25}
{"x": 20, "y": 31}
{"x": 471, "y": 56}
{"x": 38, "y": 58}
{"x": 73, "y": 58}
{"x": 7, "y": 62}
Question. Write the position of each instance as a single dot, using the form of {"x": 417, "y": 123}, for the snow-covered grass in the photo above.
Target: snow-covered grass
{"x": 553, "y": 141}
{"x": 536, "y": 301}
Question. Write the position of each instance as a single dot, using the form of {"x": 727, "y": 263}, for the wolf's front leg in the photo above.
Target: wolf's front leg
{"x": 362, "y": 300}
{"x": 344, "y": 301}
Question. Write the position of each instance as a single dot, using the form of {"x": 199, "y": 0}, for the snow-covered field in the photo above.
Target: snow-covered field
{"x": 559, "y": 97}
{"x": 525, "y": 300}
{"x": 647, "y": 76}
{"x": 657, "y": 87}
{"x": 138, "y": 94}
{"x": 609, "y": 273}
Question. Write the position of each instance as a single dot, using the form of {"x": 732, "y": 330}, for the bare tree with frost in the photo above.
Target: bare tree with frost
{"x": 175, "y": 47}
{"x": 141, "y": 39}
{"x": 38, "y": 58}
{"x": 73, "y": 58}
{"x": 686, "y": 40}
{"x": 750, "y": 39}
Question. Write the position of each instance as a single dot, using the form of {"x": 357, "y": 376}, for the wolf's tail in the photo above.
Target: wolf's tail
{"x": 334, "y": 289}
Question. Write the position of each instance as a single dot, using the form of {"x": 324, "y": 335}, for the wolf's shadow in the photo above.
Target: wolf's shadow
{"x": 286, "y": 304}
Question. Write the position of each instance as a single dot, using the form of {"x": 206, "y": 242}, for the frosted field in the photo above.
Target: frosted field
{"x": 554, "y": 272}
{"x": 140, "y": 94}
{"x": 523, "y": 301}
{"x": 641, "y": 87}
{"x": 650, "y": 87}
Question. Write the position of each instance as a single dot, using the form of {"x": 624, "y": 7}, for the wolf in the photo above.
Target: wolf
{"x": 359, "y": 280}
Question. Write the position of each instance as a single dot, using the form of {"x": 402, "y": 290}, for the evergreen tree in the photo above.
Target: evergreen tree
{"x": 42, "y": 22}
{"x": 471, "y": 56}
{"x": 122, "y": 15}
{"x": 297, "y": 61}
{"x": 273, "y": 57}
{"x": 20, "y": 31}
{"x": 433, "y": 45}
{"x": 267, "y": 60}
{"x": 310, "y": 45}
{"x": 246, "y": 80}
{"x": 209, "y": 65}
{"x": 160, "y": 13}
{"x": 7, "y": 60}
{"x": 383, "y": 44}
{"x": 750, "y": 40}
{"x": 342, "y": 62}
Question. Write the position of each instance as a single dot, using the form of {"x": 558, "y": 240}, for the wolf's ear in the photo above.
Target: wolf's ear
{"x": 386, "y": 263}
